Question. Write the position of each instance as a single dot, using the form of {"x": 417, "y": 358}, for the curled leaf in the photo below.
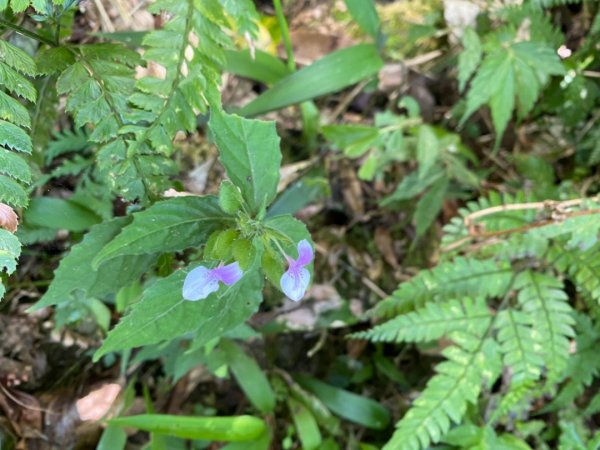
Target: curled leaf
{"x": 8, "y": 218}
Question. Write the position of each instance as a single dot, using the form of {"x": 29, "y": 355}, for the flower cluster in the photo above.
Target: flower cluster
{"x": 201, "y": 282}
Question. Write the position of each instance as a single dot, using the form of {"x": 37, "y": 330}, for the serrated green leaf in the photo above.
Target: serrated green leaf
{"x": 75, "y": 271}
{"x": 428, "y": 149}
{"x": 13, "y": 111}
{"x": 12, "y": 192}
{"x": 331, "y": 73}
{"x": 162, "y": 313}
{"x": 16, "y": 83}
{"x": 17, "y": 59}
{"x": 250, "y": 377}
{"x": 11, "y": 136}
{"x": 469, "y": 58}
{"x": 10, "y": 250}
{"x": 167, "y": 226}
{"x": 354, "y": 140}
{"x": 13, "y": 165}
{"x": 249, "y": 150}
{"x": 236, "y": 428}
{"x": 502, "y": 100}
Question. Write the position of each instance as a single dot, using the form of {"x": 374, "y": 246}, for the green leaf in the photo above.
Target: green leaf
{"x": 10, "y": 249}
{"x": 365, "y": 14}
{"x": 428, "y": 149}
{"x": 469, "y": 58}
{"x": 113, "y": 438}
{"x": 264, "y": 67}
{"x": 230, "y": 197}
{"x": 329, "y": 74}
{"x": 11, "y": 136}
{"x": 17, "y": 59}
{"x": 163, "y": 314}
{"x": 348, "y": 405}
{"x": 354, "y": 140}
{"x": 13, "y": 165}
{"x": 249, "y": 151}
{"x": 75, "y": 271}
{"x": 430, "y": 205}
{"x": 250, "y": 377}
{"x": 167, "y": 226}
{"x": 306, "y": 425}
{"x": 12, "y": 192}
{"x": 13, "y": 111}
{"x": 57, "y": 213}
{"x": 502, "y": 101}
{"x": 235, "y": 428}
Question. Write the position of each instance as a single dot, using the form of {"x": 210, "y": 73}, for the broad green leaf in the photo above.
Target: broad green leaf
{"x": 75, "y": 271}
{"x": 16, "y": 58}
{"x": 235, "y": 428}
{"x": 264, "y": 67}
{"x": 329, "y": 74}
{"x": 56, "y": 213}
{"x": 230, "y": 197}
{"x": 306, "y": 425}
{"x": 430, "y": 205}
{"x": 167, "y": 226}
{"x": 503, "y": 98}
{"x": 365, "y": 14}
{"x": 250, "y": 377}
{"x": 249, "y": 151}
{"x": 113, "y": 438}
{"x": 163, "y": 314}
{"x": 348, "y": 405}
{"x": 428, "y": 149}
{"x": 354, "y": 140}
{"x": 469, "y": 58}
{"x": 307, "y": 190}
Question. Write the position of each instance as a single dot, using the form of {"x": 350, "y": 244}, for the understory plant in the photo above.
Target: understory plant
{"x": 96, "y": 134}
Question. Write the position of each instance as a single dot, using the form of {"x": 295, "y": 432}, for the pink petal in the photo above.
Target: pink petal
{"x": 294, "y": 283}
{"x": 199, "y": 284}
{"x": 305, "y": 253}
{"x": 229, "y": 274}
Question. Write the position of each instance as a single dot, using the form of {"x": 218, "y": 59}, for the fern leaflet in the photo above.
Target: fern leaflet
{"x": 461, "y": 277}
{"x": 431, "y": 322}
{"x": 541, "y": 297}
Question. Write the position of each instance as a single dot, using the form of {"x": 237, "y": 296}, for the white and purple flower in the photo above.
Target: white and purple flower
{"x": 201, "y": 282}
{"x": 295, "y": 280}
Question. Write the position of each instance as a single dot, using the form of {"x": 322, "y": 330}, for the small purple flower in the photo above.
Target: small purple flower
{"x": 201, "y": 282}
{"x": 294, "y": 281}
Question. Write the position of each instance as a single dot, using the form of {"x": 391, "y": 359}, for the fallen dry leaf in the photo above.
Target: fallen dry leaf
{"x": 97, "y": 403}
{"x": 8, "y": 218}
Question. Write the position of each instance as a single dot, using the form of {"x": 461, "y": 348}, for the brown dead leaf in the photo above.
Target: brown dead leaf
{"x": 385, "y": 244}
{"x": 8, "y": 218}
{"x": 97, "y": 403}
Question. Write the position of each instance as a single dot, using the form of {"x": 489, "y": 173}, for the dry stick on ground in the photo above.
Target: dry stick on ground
{"x": 558, "y": 209}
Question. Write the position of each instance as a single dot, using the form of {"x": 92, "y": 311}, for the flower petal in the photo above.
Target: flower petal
{"x": 294, "y": 283}
{"x": 199, "y": 284}
{"x": 229, "y": 274}
{"x": 305, "y": 253}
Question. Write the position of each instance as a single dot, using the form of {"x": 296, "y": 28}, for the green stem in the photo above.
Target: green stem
{"x": 285, "y": 35}
{"x": 25, "y": 32}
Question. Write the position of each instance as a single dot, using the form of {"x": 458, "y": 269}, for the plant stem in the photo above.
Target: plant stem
{"x": 25, "y": 32}
{"x": 285, "y": 35}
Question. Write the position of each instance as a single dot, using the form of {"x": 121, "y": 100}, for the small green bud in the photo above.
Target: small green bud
{"x": 230, "y": 198}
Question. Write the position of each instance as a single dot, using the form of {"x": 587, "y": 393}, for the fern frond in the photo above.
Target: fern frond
{"x": 541, "y": 297}
{"x": 445, "y": 398}
{"x": 521, "y": 352}
{"x": 582, "y": 266}
{"x": 431, "y": 322}
{"x": 460, "y": 278}
{"x": 553, "y": 3}
{"x": 516, "y": 399}
{"x": 584, "y": 365}
{"x": 457, "y": 229}
{"x": 66, "y": 141}
{"x": 10, "y": 249}
{"x": 15, "y": 65}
